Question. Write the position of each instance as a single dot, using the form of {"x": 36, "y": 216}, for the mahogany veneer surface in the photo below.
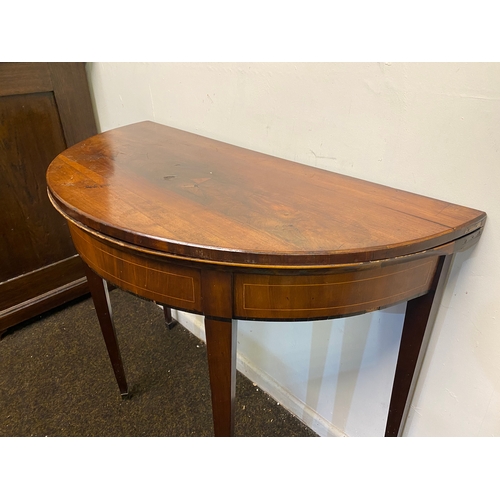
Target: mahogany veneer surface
{"x": 188, "y": 195}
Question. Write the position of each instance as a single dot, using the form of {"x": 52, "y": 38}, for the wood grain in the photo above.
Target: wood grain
{"x": 100, "y": 296}
{"x": 42, "y": 302}
{"x": 24, "y": 78}
{"x": 30, "y": 137}
{"x": 154, "y": 279}
{"x": 44, "y": 108}
{"x": 72, "y": 94}
{"x": 419, "y": 320}
{"x": 221, "y": 355}
{"x": 270, "y": 297}
{"x": 40, "y": 281}
{"x": 177, "y": 192}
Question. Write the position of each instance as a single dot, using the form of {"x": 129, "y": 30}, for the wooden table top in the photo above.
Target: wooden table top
{"x": 172, "y": 191}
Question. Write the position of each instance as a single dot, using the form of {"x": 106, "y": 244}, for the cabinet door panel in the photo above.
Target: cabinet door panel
{"x": 44, "y": 108}
{"x": 33, "y": 235}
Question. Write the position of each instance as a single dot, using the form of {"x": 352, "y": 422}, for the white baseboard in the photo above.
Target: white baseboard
{"x": 307, "y": 415}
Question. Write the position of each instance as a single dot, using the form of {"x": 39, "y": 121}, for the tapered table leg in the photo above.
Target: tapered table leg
{"x": 100, "y": 296}
{"x": 418, "y": 322}
{"x": 169, "y": 321}
{"x": 221, "y": 353}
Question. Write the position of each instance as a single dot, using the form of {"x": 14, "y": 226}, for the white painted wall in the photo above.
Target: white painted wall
{"x": 428, "y": 128}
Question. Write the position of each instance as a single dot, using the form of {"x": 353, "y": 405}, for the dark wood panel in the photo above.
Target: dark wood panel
{"x": 44, "y": 108}
{"x": 73, "y": 101}
{"x": 39, "y": 282}
{"x": 42, "y": 303}
{"x": 24, "y": 78}
{"x": 32, "y": 233}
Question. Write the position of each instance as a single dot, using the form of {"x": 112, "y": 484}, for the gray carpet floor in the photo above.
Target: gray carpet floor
{"x": 56, "y": 379}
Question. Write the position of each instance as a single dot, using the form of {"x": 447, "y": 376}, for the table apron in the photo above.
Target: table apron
{"x": 142, "y": 274}
{"x": 330, "y": 295}
{"x": 260, "y": 294}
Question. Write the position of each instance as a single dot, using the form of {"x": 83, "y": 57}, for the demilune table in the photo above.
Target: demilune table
{"x": 206, "y": 227}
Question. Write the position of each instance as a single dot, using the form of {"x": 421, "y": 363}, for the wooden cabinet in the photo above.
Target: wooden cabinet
{"x": 44, "y": 108}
